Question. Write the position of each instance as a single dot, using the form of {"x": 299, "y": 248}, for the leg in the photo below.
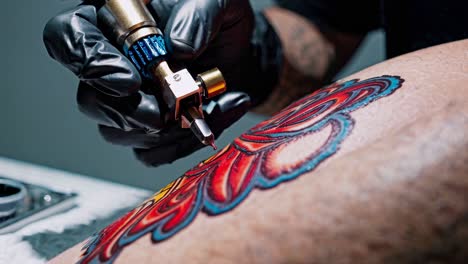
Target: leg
{"x": 374, "y": 177}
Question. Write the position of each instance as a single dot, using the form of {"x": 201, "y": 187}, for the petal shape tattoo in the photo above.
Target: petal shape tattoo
{"x": 253, "y": 160}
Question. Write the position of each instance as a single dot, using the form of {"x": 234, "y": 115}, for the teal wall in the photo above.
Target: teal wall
{"x": 39, "y": 120}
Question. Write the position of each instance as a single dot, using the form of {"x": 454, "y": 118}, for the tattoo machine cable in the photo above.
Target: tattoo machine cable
{"x": 134, "y": 29}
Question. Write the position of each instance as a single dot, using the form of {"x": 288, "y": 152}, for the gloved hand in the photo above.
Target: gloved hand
{"x": 202, "y": 34}
{"x": 170, "y": 143}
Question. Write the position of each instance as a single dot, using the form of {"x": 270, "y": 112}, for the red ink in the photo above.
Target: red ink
{"x": 254, "y": 160}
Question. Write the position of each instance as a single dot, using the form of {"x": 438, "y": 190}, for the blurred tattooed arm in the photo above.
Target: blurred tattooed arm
{"x": 312, "y": 55}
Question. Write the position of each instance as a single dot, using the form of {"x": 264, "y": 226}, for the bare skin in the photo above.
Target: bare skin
{"x": 395, "y": 192}
{"x": 310, "y": 58}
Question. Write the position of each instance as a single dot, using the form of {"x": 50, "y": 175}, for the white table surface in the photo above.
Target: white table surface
{"x": 96, "y": 200}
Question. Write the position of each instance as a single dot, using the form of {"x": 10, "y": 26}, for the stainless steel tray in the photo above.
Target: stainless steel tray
{"x": 38, "y": 203}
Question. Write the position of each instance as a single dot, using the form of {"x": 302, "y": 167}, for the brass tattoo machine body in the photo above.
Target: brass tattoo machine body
{"x": 134, "y": 29}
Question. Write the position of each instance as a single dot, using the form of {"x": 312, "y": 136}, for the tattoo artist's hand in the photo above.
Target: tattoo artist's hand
{"x": 202, "y": 34}
{"x": 173, "y": 142}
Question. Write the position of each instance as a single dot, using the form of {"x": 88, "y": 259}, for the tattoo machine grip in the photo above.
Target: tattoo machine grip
{"x": 132, "y": 26}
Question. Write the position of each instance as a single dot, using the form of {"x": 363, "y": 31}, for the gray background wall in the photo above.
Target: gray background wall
{"x": 39, "y": 120}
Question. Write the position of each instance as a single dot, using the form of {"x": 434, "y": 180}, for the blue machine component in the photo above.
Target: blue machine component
{"x": 146, "y": 52}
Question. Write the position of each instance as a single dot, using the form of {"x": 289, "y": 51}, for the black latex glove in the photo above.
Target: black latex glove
{"x": 202, "y": 34}
{"x": 155, "y": 147}
{"x": 173, "y": 142}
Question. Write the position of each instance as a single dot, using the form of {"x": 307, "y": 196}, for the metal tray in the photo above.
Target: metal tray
{"x": 38, "y": 203}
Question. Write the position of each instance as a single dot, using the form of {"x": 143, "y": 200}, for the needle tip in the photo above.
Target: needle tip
{"x": 214, "y": 145}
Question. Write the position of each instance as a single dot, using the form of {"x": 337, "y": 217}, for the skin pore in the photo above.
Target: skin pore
{"x": 393, "y": 189}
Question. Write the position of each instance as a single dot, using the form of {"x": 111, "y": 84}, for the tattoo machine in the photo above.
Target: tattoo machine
{"x": 132, "y": 26}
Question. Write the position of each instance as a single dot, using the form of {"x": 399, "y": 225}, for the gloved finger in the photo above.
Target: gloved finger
{"x": 140, "y": 138}
{"x": 136, "y": 111}
{"x": 192, "y": 25}
{"x": 220, "y": 114}
{"x": 168, "y": 153}
{"x": 226, "y": 110}
{"x": 73, "y": 39}
{"x": 161, "y": 10}
{"x": 211, "y": 33}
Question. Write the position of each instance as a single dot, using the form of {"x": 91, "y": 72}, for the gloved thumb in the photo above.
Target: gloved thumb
{"x": 226, "y": 110}
{"x": 191, "y": 26}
